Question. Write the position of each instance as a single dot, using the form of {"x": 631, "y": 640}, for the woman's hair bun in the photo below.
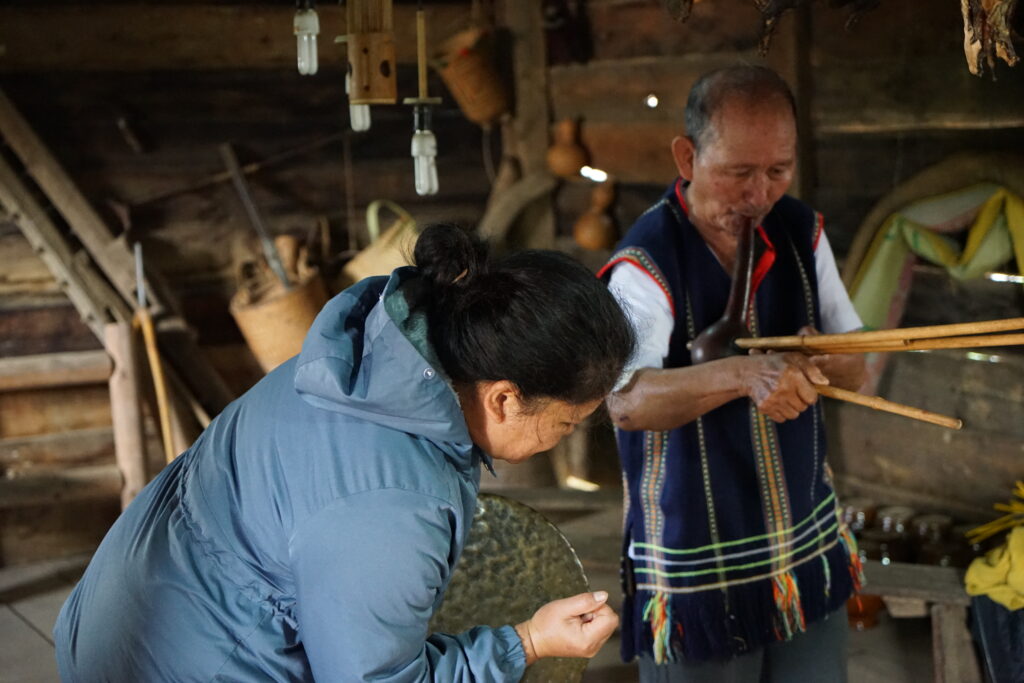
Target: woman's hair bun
{"x": 449, "y": 255}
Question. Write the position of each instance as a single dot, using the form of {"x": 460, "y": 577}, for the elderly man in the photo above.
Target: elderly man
{"x": 736, "y": 566}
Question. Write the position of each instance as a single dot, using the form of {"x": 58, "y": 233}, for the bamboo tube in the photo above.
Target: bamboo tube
{"x": 421, "y": 52}
{"x": 878, "y": 403}
{"x": 899, "y": 333}
{"x": 912, "y": 344}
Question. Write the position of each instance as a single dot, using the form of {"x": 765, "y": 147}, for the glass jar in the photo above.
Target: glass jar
{"x": 885, "y": 546}
{"x": 896, "y": 519}
{"x": 859, "y": 514}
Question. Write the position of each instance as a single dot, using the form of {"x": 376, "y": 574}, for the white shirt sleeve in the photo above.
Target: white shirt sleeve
{"x": 837, "y": 312}
{"x": 650, "y": 313}
{"x": 648, "y": 309}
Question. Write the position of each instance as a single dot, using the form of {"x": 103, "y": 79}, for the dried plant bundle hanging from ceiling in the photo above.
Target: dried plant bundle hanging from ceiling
{"x": 987, "y": 33}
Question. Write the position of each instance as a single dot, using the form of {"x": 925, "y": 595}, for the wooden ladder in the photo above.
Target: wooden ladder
{"x": 44, "y": 202}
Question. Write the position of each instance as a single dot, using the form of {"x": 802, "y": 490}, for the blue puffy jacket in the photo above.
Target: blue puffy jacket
{"x": 309, "y": 533}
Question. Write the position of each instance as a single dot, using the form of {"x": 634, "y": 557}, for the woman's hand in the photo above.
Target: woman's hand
{"x": 571, "y": 627}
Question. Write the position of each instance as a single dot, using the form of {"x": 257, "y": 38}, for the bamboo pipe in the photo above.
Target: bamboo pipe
{"x": 878, "y": 403}
{"x": 905, "y": 345}
{"x": 421, "y": 53}
{"x": 898, "y": 334}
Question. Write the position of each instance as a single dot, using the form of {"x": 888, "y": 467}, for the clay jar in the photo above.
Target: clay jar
{"x": 566, "y": 156}
{"x": 595, "y": 228}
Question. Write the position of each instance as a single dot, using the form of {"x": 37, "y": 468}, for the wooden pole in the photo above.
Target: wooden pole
{"x": 126, "y": 411}
{"x": 156, "y": 370}
{"x": 878, "y": 403}
{"x": 896, "y": 334}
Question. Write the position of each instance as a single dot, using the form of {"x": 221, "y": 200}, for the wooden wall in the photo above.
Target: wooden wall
{"x": 134, "y": 101}
{"x": 880, "y": 102}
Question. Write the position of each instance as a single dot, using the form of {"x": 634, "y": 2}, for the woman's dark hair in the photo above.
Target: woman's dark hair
{"x": 746, "y": 81}
{"x": 536, "y": 318}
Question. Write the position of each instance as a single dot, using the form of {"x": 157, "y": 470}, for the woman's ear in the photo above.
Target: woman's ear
{"x": 683, "y": 153}
{"x": 500, "y": 400}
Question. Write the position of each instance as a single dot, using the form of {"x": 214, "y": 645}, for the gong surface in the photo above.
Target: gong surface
{"x": 514, "y": 561}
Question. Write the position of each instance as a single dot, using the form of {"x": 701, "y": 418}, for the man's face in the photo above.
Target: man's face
{"x": 745, "y": 165}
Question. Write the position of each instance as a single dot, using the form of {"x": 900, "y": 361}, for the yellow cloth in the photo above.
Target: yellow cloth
{"x": 995, "y": 235}
{"x": 1000, "y": 573}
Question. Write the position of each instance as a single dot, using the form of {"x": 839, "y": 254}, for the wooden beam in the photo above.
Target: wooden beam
{"x": 54, "y": 370}
{"x": 57, "y": 449}
{"x": 100, "y": 482}
{"x": 112, "y": 255}
{"x": 91, "y": 296}
{"x": 126, "y": 410}
{"x": 149, "y": 37}
{"x": 525, "y": 20}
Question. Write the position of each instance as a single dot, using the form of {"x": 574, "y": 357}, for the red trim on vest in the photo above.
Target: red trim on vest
{"x": 765, "y": 263}
{"x": 819, "y": 228}
{"x": 767, "y": 258}
{"x": 626, "y": 259}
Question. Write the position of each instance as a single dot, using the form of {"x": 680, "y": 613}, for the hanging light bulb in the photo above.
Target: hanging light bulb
{"x": 358, "y": 114}
{"x": 424, "y": 152}
{"x": 306, "y": 27}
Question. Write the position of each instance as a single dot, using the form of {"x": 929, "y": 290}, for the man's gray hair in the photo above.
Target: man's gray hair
{"x": 744, "y": 81}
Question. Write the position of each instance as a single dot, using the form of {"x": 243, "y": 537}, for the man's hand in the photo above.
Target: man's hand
{"x": 571, "y": 627}
{"x": 782, "y": 384}
{"x": 844, "y": 370}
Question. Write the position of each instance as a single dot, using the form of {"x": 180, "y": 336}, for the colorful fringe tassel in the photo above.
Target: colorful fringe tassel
{"x": 856, "y": 567}
{"x": 790, "y": 611}
{"x": 658, "y": 613}
{"x": 827, "y": 571}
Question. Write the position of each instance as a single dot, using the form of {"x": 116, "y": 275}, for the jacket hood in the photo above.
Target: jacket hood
{"x": 367, "y": 355}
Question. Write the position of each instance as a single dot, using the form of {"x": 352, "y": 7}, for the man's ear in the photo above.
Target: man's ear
{"x": 500, "y": 400}
{"x": 684, "y": 153}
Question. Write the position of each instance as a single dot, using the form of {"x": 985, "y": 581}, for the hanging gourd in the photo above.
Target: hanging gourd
{"x": 595, "y": 229}
{"x": 566, "y": 156}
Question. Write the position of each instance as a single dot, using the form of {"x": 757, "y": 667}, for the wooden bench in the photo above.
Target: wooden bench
{"x": 940, "y": 592}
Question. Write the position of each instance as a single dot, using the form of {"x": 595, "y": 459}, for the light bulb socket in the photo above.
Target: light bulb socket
{"x": 421, "y": 117}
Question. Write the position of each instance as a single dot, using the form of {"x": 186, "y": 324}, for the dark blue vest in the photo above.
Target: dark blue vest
{"x": 732, "y": 534}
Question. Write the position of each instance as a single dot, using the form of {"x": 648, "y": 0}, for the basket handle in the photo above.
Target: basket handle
{"x": 373, "y": 216}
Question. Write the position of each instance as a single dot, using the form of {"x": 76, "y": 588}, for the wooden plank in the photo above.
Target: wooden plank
{"x": 952, "y": 646}
{"x": 972, "y": 467}
{"x": 45, "y": 532}
{"x": 31, "y": 412}
{"x": 112, "y": 257}
{"x": 112, "y": 254}
{"x": 54, "y": 370}
{"x": 126, "y": 409}
{"x": 943, "y": 585}
{"x": 93, "y": 483}
{"x": 148, "y": 37}
{"x": 635, "y": 29}
{"x": 96, "y": 305}
{"x": 60, "y": 449}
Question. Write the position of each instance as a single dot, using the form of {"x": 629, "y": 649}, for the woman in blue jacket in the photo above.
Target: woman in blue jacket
{"x": 311, "y": 530}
